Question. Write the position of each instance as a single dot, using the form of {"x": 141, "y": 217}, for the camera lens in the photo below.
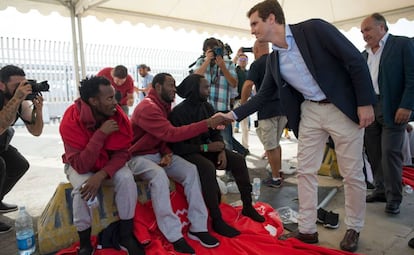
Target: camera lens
{"x": 218, "y": 51}
{"x": 43, "y": 86}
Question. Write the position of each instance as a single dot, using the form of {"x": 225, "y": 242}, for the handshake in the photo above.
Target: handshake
{"x": 220, "y": 120}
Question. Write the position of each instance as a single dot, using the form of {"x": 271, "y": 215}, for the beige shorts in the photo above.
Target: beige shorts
{"x": 270, "y": 130}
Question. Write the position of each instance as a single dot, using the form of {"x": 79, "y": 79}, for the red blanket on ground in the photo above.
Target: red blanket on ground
{"x": 408, "y": 175}
{"x": 256, "y": 238}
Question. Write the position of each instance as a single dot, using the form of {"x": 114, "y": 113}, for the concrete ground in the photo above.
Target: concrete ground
{"x": 382, "y": 235}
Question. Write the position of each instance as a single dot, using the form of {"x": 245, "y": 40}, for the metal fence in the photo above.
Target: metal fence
{"x": 53, "y": 61}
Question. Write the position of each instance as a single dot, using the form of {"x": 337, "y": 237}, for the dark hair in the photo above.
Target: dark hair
{"x": 266, "y": 8}
{"x": 143, "y": 66}
{"x": 380, "y": 20}
{"x": 10, "y": 70}
{"x": 159, "y": 78}
{"x": 120, "y": 72}
{"x": 89, "y": 87}
{"x": 210, "y": 43}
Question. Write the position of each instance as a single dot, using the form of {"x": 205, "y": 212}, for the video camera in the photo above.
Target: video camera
{"x": 37, "y": 88}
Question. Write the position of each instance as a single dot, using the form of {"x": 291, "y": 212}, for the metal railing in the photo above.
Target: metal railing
{"x": 53, "y": 61}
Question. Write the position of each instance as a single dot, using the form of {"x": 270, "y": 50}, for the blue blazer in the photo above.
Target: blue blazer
{"x": 396, "y": 76}
{"x": 334, "y": 62}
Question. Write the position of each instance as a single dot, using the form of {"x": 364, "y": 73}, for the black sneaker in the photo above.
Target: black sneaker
{"x": 204, "y": 238}
{"x": 5, "y": 208}
{"x": 328, "y": 219}
{"x": 272, "y": 183}
{"x": 4, "y": 228}
{"x": 331, "y": 220}
{"x": 182, "y": 246}
{"x": 321, "y": 215}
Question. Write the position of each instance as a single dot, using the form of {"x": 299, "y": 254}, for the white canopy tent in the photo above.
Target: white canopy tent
{"x": 225, "y": 17}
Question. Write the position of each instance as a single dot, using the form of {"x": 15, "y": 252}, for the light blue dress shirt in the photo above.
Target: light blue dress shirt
{"x": 294, "y": 70}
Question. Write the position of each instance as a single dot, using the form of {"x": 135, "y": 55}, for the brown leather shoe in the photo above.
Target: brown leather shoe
{"x": 350, "y": 241}
{"x": 306, "y": 238}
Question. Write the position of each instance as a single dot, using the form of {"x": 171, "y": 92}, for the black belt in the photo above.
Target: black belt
{"x": 323, "y": 101}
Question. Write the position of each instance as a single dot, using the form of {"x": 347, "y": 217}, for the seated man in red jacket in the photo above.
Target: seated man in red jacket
{"x": 96, "y": 134}
{"x": 154, "y": 161}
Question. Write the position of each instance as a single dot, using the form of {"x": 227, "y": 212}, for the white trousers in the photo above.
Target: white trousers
{"x": 318, "y": 122}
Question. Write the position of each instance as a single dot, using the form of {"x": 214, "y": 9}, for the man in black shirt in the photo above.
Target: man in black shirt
{"x": 14, "y": 89}
{"x": 271, "y": 119}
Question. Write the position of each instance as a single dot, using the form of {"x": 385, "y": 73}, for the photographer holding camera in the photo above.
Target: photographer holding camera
{"x": 14, "y": 92}
{"x": 217, "y": 67}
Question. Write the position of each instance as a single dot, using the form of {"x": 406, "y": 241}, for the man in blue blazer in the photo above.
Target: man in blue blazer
{"x": 391, "y": 64}
{"x": 324, "y": 86}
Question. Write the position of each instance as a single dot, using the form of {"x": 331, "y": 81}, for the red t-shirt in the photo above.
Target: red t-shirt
{"x": 124, "y": 89}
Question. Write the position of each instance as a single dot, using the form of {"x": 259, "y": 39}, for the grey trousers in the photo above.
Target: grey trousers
{"x": 384, "y": 146}
{"x": 146, "y": 167}
{"x": 125, "y": 190}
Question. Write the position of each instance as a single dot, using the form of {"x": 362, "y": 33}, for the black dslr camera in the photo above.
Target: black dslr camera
{"x": 217, "y": 51}
{"x": 224, "y": 50}
{"x": 37, "y": 88}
